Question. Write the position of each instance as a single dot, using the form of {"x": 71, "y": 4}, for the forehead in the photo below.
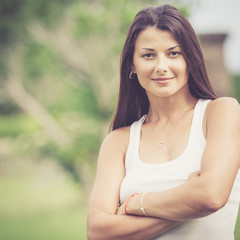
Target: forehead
{"x": 154, "y": 38}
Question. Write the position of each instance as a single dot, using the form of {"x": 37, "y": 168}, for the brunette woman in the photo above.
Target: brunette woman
{"x": 169, "y": 169}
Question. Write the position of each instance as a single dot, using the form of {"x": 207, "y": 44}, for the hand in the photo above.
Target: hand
{"x": 131, "y": 204}
{"x": 121, "y": 210}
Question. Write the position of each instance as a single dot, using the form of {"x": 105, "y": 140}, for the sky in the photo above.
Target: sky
{"x": 219, "y": 16}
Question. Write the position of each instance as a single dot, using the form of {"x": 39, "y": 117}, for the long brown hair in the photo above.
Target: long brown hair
{"x": 132, "y": 100}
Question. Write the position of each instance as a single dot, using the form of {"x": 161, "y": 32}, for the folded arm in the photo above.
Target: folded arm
{"x": 103, "y": 222}
{"x": 208, "y": 192}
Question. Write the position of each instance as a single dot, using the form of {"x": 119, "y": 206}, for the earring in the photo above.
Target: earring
{"x": 131, "y": 75}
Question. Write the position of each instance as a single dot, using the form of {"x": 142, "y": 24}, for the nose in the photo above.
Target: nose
{"x": 161, "y": 65}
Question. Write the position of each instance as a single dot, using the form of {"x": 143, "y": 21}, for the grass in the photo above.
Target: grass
{"x": 41, "y": 203}
{"x": 61, "y": 224}
{"x": 237, "y": 227}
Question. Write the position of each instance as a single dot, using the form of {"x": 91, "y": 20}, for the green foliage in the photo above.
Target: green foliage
{"x": 15, "y": 15}
{"x": 11, "y": 20}
{"x": 8, "y": 107}
{"x": 91, "y": 19}
{"x": 97, "y": 18}
{"x": 15, "y": 125}
{"x": 80, "y": 99}
{"x": 236, "y": 86}
{"x": 84, "y": 149}
{"x": 3, "y": 64}
{"x": 39, "y": 60}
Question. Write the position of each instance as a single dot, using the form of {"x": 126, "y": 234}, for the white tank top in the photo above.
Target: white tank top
{"x": 141, "y": 177}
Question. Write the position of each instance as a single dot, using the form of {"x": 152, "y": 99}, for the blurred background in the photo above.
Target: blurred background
{"x": 59, "y": 77}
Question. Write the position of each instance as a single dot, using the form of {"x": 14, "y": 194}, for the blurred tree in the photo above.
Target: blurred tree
{"x": 236, "y": 83}
{"x": 60, "y": 65}
{"x": 15, "y": 16}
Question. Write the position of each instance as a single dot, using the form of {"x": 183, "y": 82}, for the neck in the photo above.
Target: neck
{"x": 166, "y": 109}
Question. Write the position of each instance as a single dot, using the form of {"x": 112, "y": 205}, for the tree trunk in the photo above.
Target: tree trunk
{"x": 29, "y": 104}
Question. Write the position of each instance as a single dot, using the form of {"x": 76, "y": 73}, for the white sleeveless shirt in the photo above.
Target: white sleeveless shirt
{"x": 141, "y": 177}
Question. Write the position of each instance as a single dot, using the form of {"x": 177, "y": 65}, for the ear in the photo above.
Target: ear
{"x": 133, "y": 68}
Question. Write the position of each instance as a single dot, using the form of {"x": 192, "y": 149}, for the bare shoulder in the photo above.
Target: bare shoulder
{"x": 222, "y": 106}
{"x": 225, "y": 101}
{"x": 117, "y": 140}
{"x": 223, "y": 112}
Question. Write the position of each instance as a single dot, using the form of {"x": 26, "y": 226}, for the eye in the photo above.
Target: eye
{"x": 148, "y": 55}
{"x": 174, "y": 53}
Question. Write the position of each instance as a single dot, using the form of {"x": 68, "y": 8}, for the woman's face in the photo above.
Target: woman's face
{"x": 159, "y": 64}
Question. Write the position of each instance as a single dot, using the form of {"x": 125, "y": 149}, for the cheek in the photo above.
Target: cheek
{"x": 143, "y": 74}
{"x": 180, "y": 69}
{"x": 144, "y": 69}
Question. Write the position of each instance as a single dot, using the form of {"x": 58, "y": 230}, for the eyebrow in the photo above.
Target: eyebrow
{"x": 173, "y": 47}
{"x": 150, "y": 49}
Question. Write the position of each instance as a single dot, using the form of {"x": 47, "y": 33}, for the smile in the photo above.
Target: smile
{"x": 162, "y": 80}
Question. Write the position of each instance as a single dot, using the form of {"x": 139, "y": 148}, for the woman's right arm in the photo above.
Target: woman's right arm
{"x": 103, "y": 223}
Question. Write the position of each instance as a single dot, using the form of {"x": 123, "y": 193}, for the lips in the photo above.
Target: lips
{"x": 162, "y": 80}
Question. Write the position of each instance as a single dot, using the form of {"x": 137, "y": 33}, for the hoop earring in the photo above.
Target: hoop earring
{"x": 131, "y": 75}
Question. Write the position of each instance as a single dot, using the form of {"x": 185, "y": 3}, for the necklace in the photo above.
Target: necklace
{"x": 160, "y": 143}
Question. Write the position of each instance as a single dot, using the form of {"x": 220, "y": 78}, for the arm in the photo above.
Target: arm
{"x": 205, "y": 194}
{"x": 103, "y": 223}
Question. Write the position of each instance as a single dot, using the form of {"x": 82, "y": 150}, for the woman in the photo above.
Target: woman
{"x": 172, "y": 160}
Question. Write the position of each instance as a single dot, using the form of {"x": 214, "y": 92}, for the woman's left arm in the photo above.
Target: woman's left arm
{"x": 210, "y": 190}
